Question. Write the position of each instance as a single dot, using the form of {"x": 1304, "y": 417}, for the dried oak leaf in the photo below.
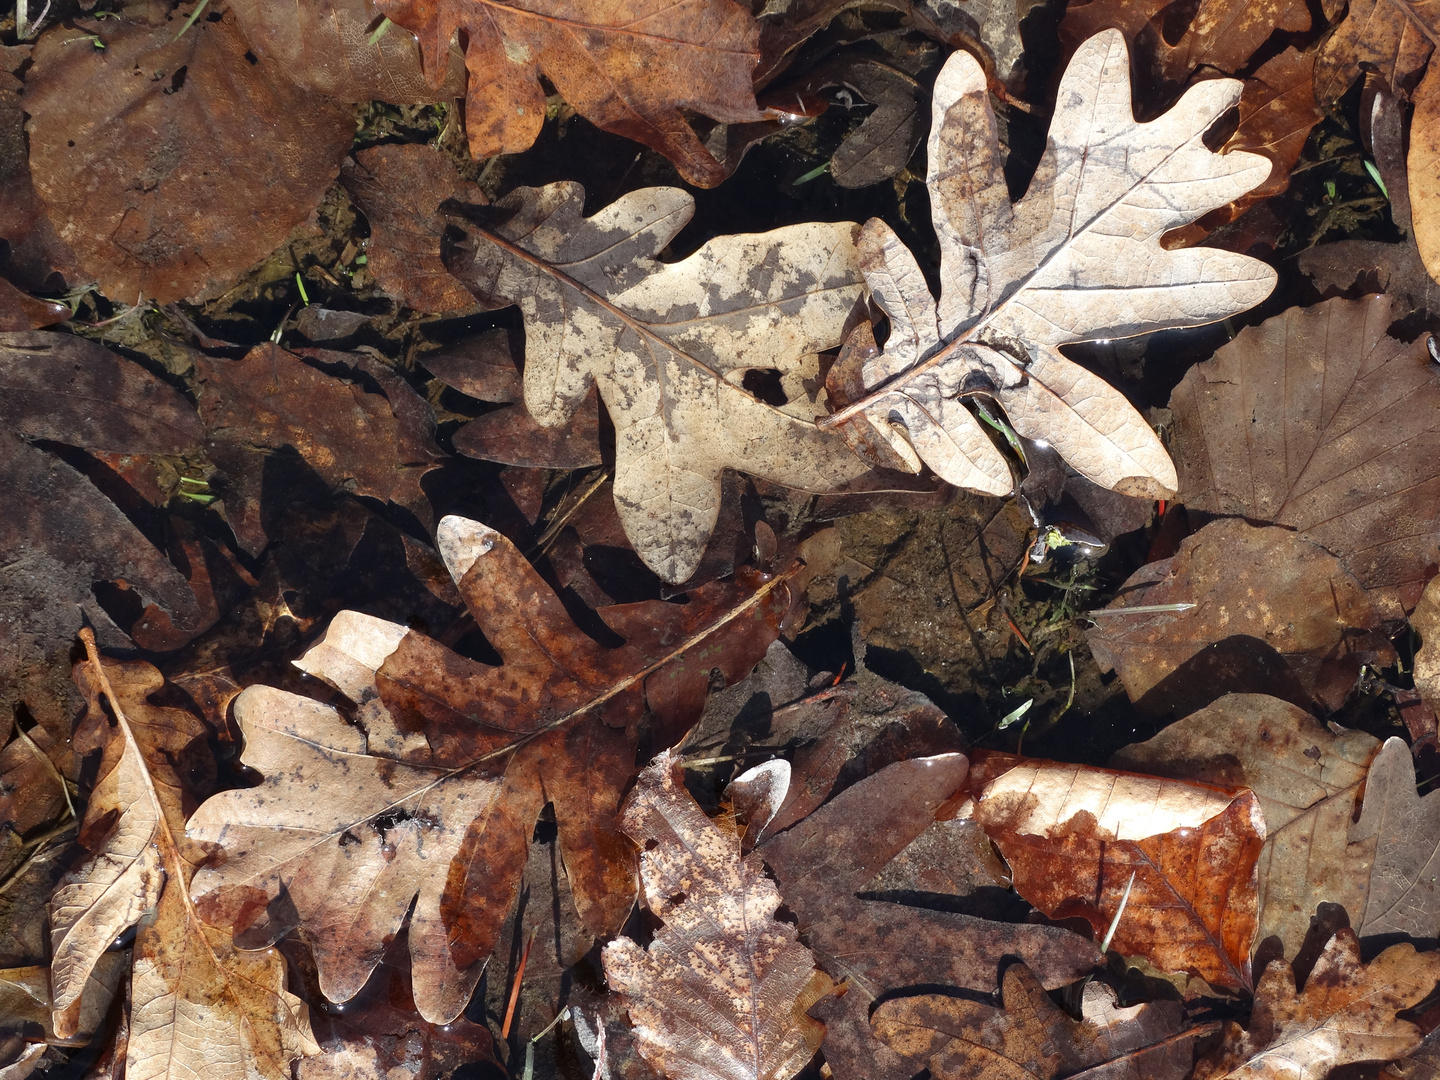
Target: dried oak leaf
{"x": 822, "y": 862}
{"x": 436, "y": 788}
{"x": 1403, "y": 895}
{"x": 1273, "y": 613}
{"x": 1032, "y": 1038}
{"x": 1308, "y": 781}
{"x": 1346, "y": 1013}
{"x": 1221, "y": 34}
{"x": 1318, "y": 421}
{"x": 1074, "y": 834}
{"x": 374, "y": 443}
{"x": 330, "y": 47}
{"x": 400, "y": 187}
{"x": 668, "y": 345}
{"x": 724, "y": 986}
{"x": 1077, "y": 259}
{"x": 629, "y": 67}
{"x": 197, "y": 1004}
{"x": 172, "y": 164}
{"x": 1391, "y": 37}
{"x": 60, "y": 533}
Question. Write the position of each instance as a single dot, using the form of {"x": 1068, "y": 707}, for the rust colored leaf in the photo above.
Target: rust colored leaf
{"x": 1308, "y": 782}
{"x": 1222, "y": 34}
{"x": 1031, "y": 1038}
{"x": 723, "y": 988}
{"x": 329, "y": 48}
{"x": 60, "y": 533}
{"x": 170, "y": 185}
{"x": 1318, "y": 421}
{"x": 827, "y": 858}
{"x": 1345, "y": 1013}
{"x": 438, "y": 793}
{"x": 197, "y": 1004}
{"x": 668, "y": 345}
{"x": 400, "y": 189}
{"x": 1078, "y": 258}
{"x": 629, "y": 67}
{"x": 1273, "y": 613}
{"x": 1277, "y": 111}
{"x": 1391, "y": 37}
{"x": 376, "y": 444}
{"x": 1074, "y": 834}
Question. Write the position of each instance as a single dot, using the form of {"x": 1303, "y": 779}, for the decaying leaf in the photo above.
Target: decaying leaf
{"x": 400, "y": 189}
{"x": 627, "y": 67}
{"x": 1073, "y": 836}
{"x": 1319, "y": 421}
{"x": 822, "y": 862}
{"x": 60, "y": 533}
{"x": 330, "y": 48}
{"x": 723, "y": 988}
{"x": 1345, "y": 1013}
{"x": 1032, "y": 1038}
{"x": 1404, "y": 827}
{"x": 668, "y": 345}
{"x": 1391, "y": 37}
{"x": 198, "y": 1005}
{"x": 1423, "y": 167}
{"x": 1077, "y": 259}
{"x": 377, "y": 444}
{"x": 171, "y": 184}
{"x": 437, "y": 794}
{"x": 1273, "y": 613}
{"x": 1307, "y": 780}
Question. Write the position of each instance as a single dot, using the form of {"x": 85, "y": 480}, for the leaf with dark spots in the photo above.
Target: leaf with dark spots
{"x": 169, "y": 188}
{"x": 1317, "y": 420}
{"x": 377, "y": 444}
{"x": 1391, "y": 37}
{"x": 329, "y": 48}
{"x": 1074, "y": 835}
{"x": 1273, "y": 613}
{"x": 60, "y": 533}
{"x": 456, "y": 759}
{"x": 824, "y": 860}
{"x": 399, "y": 188}
{"x": 668, "y": 345}
{"x": 627, "y": 67}
{"x": 723, "y": 987}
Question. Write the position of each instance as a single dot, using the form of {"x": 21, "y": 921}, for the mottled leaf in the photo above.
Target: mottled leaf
{"x": 1391, "y": 37}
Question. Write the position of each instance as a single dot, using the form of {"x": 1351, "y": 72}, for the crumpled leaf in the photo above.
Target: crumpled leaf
{"x": 668, "y": 345}
{"x": 1307, "y": 780}
{"x": 822, "y": 862}
{"x": 628, "y": 67}
{"x": 1391, "y": 37}
{"x": 1319, "y": 421}
{"x": 400, "y": 188}
{"x": 438, "y": 793}
{"x": 1345, "y": 1013}
{"x": 197, "y": 1004}
{"x": 377, "y": 444}
{"x": 1273, "y": 614}
{"x": 1403, "y": 895}
{"x": 329, "y": 48}
{"x": 60, "y": 533}
{"x": 723, "y": 987}
{"x": 1032, "y": 1038}
{"x": 1221, "y": 34}
{"x": 170, "y": 185}
{"x": 1077, "y": 259}
{"x": 1074, "y": 834}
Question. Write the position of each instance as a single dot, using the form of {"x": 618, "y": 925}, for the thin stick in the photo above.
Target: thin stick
{"x": 515, "y": 990}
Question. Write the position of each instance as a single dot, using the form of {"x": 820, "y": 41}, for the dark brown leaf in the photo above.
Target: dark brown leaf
{"x": 1273, "y": 613}
{"x": 1391, "y": 37}
{"x": 1318, "y": 421}
{"x": 172, "y": 164}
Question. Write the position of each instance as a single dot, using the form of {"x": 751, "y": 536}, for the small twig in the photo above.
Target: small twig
{"x": 1115, "y": 922}
{"x": 1141, "y": 609}
{"x": 515, "y": 990}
